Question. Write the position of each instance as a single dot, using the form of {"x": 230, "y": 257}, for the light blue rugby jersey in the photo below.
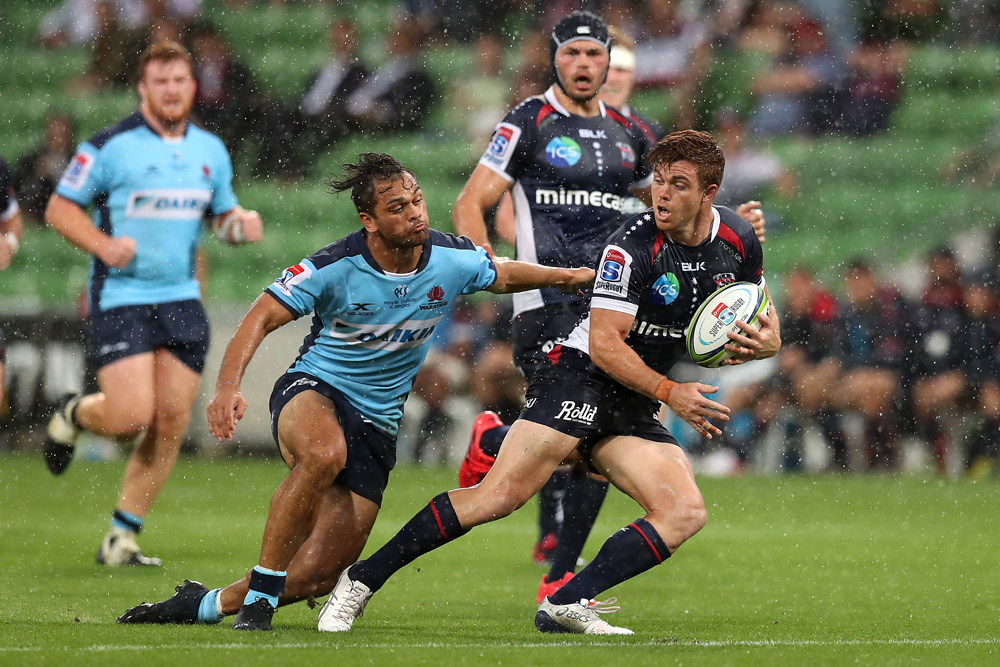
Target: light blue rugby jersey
{"x": 371, "y": 330}
{"x": 156, "y": 191}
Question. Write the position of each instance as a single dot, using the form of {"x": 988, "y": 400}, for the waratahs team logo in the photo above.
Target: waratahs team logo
{"x": 563, "y": 152}
{"x": 665, "y": 290}
{"x": 436, "y": 293}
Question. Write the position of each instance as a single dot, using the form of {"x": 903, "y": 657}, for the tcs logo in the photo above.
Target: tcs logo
{"x": 563, "y": 152}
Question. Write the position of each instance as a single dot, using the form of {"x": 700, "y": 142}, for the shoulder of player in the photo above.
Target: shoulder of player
{"x": 123, "y": 126}
{"x": 446, "y": 240}
{"x": 733, "y": 227}
{"x": 349, "y": 246}
{"x": 636, "y": 234}
{"x": 649, "y": 127}
{"x": 530, "y": 112}
{"x": 197, "y": 131}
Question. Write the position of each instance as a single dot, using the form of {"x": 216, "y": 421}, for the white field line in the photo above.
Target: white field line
{"x": 778, "y": 643}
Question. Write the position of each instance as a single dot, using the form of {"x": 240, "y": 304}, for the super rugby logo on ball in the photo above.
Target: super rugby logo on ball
{"x": 708, "y": 334}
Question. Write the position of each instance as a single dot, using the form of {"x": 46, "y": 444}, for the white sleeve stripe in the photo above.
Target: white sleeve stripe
{"x": 611, "y": 304}
{"x": 496, "y": 169}
{"x": 12, "y": 209}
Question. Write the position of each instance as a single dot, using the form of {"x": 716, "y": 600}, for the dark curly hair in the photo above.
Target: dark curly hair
{"x": 361, "y": 178}
{"x": 698, "y": 148}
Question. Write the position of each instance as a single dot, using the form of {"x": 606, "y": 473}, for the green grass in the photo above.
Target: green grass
{"x": 789, "y": 571}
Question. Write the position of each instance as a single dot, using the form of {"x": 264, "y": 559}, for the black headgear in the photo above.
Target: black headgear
{"x": 578, "y": 25}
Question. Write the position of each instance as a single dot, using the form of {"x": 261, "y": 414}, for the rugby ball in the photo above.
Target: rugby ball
{"x": 706, "y": 335}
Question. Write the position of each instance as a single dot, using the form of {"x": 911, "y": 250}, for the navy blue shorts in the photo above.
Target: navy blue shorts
{"x": 3, "y": 347}
{"x": 371, "y": 452}
{"x": 538, "y": 331}
{"x": 573, "y": 397}
{"x": 178, "y": 326}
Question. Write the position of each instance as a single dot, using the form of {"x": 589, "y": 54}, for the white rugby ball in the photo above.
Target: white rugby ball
{"x": 716, "y": 317}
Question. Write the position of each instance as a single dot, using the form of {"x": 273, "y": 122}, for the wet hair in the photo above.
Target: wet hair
{"x": 361, "y": 178}
{"x": 164, "y": 51}
{"x": 698, "y": 148}
{"x": 859, "y": 264}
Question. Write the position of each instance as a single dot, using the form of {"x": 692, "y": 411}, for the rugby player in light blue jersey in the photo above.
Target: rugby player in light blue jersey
{"x": 376, "y": 297}
{"x": 152, "y": 179}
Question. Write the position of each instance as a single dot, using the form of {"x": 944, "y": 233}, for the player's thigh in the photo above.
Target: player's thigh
{"x": 309, "y": 429}
{"x": 657, "y": 475}
{"x": 938, "y": 391}
{"x": 128, "y": 388}
{"x": 176, "y": 388}
{"x": 529, "y": 454}
{"x": 813, "y": 384}
{"x": 867, "y": 389}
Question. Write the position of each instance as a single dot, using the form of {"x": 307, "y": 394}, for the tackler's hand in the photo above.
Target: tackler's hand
{"x": 579, "y": 278}
{"x": 751, "y": 212}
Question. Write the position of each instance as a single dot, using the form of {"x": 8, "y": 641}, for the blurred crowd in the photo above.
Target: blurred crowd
{"x": 923, "y": 369}
{"x": 817, "y": 66}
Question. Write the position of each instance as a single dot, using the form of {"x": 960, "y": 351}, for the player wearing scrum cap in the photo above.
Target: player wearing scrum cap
{"x": 152, "y": 179}
{"x": 601, "y": 393}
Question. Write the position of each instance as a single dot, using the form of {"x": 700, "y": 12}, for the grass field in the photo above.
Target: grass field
{"x": 789, "y": 571}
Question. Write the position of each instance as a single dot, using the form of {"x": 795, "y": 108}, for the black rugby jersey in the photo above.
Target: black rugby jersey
{"x": 644, "y": 273}
{"x": 571, "y": 183}
{"x": 648, "y": 126}
{"x": 8, "y": 202}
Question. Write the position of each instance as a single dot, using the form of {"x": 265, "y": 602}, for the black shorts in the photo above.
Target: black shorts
{"x": 178, "y": 326}
{"x": 538, "y": 331}
{"x": 3, "y": 348}
{"x": 371, "y": 452}
{"x": 573, "y": 397}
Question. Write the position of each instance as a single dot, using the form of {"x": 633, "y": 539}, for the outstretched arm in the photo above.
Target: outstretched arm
{"x": 522, "y": 276}
{"x": 227, "y": 406}
{"x": 608, "y": 331}
{"x": 483, "y": 189}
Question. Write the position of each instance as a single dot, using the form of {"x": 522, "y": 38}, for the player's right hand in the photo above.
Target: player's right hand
{"x": 688, "y": 401}
{"x": 117, "y": 251}
{"x": 227, "y": 407}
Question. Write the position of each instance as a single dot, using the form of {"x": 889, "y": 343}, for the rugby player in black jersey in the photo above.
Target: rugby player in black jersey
{"x": 574, "y": 166}
{"x": 600, "y": 393}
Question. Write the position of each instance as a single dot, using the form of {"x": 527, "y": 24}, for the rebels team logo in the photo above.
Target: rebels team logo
{"x": 665, "y": 290}
{"x": 723, "y": 279}
{"x": 563, "y": 152}
{"x": 724, "y": 313}
{"x": 614, "y": 263}
{"x": 292, "y": 276}
{"x": 628, "y": 155}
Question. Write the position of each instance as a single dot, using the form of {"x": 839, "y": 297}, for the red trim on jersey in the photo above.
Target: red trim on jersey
{"x": 659, "y": 558}
{"x": 543, "y": 113}
{"x": 645, "y": 128}
{"x": 620, "y": 118}
{"x": 657, "y": 244}
{"x": 554, "y": 354}
{"x": 437, "y": 517}
{"x": 730, "y": 237}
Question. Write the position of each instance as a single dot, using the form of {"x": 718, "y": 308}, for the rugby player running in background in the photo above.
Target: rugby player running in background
{"x": 574, "y": 166}
{"x": 152, "y": 179}
{"x": 656, "y": 270}
{"x": 376, "y": 297}
{"x": 11, "y": 228}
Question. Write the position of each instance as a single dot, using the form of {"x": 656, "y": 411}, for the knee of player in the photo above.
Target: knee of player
{"x": 505, "y": 500}
{"x": 323, "y": 460}
{"x": 688, "y": 516}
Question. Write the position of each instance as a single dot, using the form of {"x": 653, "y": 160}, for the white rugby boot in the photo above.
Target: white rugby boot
{"x": 578, "y": 617}
{"x": 119, "y": 548}
{"x": 346, "y": 603}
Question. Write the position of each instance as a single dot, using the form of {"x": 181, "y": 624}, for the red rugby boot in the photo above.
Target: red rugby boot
{"x": 477, "y": 463}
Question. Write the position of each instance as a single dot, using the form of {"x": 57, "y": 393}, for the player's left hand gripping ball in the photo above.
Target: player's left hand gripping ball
{"x": 754, "y": 343}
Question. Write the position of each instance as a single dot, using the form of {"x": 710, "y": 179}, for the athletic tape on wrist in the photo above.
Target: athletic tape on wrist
{"x": 664, "y": 388}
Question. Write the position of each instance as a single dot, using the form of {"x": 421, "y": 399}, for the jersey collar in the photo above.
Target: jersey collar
{"x": 716, "y": 221}
{"x": 550, "y": 97}
{"x": 356, "y": 243}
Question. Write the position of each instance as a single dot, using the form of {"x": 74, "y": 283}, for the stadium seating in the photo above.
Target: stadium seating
{"x": 879, "y": 195}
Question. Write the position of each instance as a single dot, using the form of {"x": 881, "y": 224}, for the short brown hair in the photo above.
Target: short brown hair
{"x": 163, "y": 51}
{"x": 698, "y": 148}
{"x": 621, "y": 38}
